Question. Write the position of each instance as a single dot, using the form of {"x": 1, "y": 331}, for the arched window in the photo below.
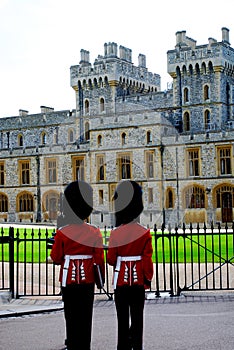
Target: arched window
{"x": 197, "y": 69}
{"x": 99, "y": 140}
{"x": 86, "y": 106}
{"x": 194, "y": 197}
{"x": 203, "y": 68}
{"x": 87, "y": 133}
{"x": 43, "y": 138}
{"x": 210, "y": 67}
{"x": 149, "y": 137}
{"x": 186, "y": 95}
{"x": 123, "y": 138}
{"x": 206, "y": 92}
{"x": 190, "y": 69}
{"x": 25, "y": 202}
{"x": 169, "y": 199}
{"x": 207, "y": 120}
{"x": 186, "y": 121}
{"x": 184, "y": 70}
{"x": 3, "y": 203}
{"x": 102, "y": 104}
{"x": 70, "y": 136}
{"x": 20, "y": 140}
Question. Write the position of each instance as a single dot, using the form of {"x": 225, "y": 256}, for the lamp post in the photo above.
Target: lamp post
{"x": 38, "y": 218}
{"x": 162, "y": 148}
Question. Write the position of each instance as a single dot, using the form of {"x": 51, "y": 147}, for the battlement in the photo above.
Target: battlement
{"x": 188, "y": 54}
{"x": 114, "y": 66}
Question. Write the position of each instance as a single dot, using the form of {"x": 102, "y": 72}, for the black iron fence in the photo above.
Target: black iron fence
{"x": 187, "y": 258}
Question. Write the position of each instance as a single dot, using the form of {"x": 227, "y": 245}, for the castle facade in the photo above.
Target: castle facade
{"x": 178, "y": 144}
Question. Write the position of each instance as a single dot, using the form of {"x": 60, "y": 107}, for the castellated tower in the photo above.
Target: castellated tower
{"x": 203, "y": 82}
{"x": 111, "y": 78}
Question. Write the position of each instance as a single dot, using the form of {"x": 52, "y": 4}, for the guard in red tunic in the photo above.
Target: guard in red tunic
{"x": 78, "y": 248}
{"x": 130, "y": 252}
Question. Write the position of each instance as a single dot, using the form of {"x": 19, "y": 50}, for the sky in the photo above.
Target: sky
{"x": 41, "y": 39}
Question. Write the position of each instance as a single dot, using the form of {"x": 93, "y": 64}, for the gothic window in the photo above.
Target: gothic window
{"x": 2, "y": 174}
{"x": 100, "y": 82}
{"x": 78, "y": 165}
{"x": 43, "y": 138}
{"x": 203, "y": 68}
{"x": 3, "y": 203}
{"x": 219, "y": 192}
{"x": 207, "y": 120}
{"x": 51, "y": 171}
{"x": 148, "y": 137}
{"x": 186, "y": 121}
{"x": 193, "y": 162}
{"x": 194, "y": 197}
{"x": 99, "y": 140}
{"x": 20, "y": 140}
{"x": 86, "y": 106}
{"x": 106, "y": 81}
{"x": 100, "y": 168}
{"x": 197, "y": 69}
{"x": 186, "y": 95}
{"x": 25, "y": 202}
{"x": 125, "y": 171}
{"x": 123, "y": 138}
{"x": 70, "y": 136}
{"x": 224, "y": 160}
{"x": 102, "y": 104}
{"x": 24, "y": 172}
{"x": 169, "y": 199}
{"x": 210, "y": 66}
{"x": 206, "y": 92}
{"x": 87, "y": 132}
{"x": 150, "y": 164}
{"x": 190, "y": 69}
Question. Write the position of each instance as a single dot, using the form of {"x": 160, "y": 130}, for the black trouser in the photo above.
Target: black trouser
{"x": 78, "y": 312}
{"x": 129, "y": 301}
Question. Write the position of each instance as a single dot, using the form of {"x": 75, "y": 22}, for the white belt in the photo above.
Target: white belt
{"x": 66, "y": 265}
{"x": 118, "y": 265}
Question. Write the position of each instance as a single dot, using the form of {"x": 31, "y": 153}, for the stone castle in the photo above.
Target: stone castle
{"x": 178, "y": 144}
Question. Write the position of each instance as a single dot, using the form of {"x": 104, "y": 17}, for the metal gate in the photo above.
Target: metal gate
{"x": 187, "y": 258}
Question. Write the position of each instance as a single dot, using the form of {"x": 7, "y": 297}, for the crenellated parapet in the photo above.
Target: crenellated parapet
{"x": 115, "y": 69}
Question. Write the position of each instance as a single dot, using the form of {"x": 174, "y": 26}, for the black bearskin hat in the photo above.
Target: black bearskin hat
{"x": 77, "y": 201}
{"x": 128, "y": 202}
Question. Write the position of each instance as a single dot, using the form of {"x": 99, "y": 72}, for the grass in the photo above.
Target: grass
{"x": 31, "y": 246}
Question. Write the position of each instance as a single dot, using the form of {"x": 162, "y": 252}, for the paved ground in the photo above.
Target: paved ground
{"x": 199, "y": 321}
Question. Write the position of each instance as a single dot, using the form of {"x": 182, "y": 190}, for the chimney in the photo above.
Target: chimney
{"x": 142, "y": 60}
{"x": 84, "y": 57}
{"x": 110, "y": 49}
{"x": 23, "y": 112}
{"x": 45, "y": 109}
{"x": 225, "y": 35}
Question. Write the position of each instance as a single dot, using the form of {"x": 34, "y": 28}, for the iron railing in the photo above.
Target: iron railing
{"x": 187, "y": 258}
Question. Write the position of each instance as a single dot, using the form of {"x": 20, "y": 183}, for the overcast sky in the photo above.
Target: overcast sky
{"x": 41, "y": 39}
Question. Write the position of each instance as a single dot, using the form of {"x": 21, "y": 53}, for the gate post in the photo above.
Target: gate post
{"x": 11, "y": 262}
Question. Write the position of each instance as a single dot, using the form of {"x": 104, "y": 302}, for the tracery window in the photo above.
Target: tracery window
{"x": 195, "y": 197}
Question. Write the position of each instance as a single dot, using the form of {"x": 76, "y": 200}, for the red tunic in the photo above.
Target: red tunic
{"x": 132, "y": 240}
{"x": 83, "y": 239}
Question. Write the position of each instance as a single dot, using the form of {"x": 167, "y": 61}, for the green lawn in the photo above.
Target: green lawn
{"x": 31, "y": 246}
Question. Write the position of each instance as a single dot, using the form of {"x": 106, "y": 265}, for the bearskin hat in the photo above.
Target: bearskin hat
{"x": 77, "y": 201}
{"x": 128, "y": 202}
